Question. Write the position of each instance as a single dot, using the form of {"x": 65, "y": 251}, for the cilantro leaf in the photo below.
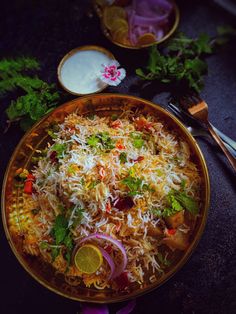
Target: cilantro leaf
{"x": 101, "y": 138}
{"x": 178, "y": 201}
{"x": 93, "y": 141}
{"x": 55, "y": 251}
{"x": 106, "y": 140}
{"x": 135, "y": 185}
{"x": 123, "y": 157}
{"x": 62, "y": 236}
{"x": 59, "y": 229}
{"x": 138, "y": 142}
{"x": 68, "y": 241}
{"x": 188, "y": 203}
{"x": 59, "y": 148}
{"x": 44, "y": 245}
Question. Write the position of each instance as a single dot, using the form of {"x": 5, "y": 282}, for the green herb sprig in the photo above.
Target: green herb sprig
{"x": 182, "y": 62}
{"x": 101, "y": 138}
{"x": 179, "y": 200}
{"x": 62, "y": 236}
{"x": 35, "y": 96}
{"x": 135, "y": 185}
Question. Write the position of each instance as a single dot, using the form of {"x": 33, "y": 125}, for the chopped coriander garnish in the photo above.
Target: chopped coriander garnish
{"x": 59, "y": 148}
{"x": 44, "y": 245}
{"x": 76, "y": 216}
{"x": 135, "y": 185}
{"x": 106, "y": 140}
{"x": 163, "y": 260}
{"x": 55, "y": 251}
{"x": 178, "y": 201}
{"x": 187, "y": 202}
{"x": 114, "y": 117}
{"x": 93, "y": 141}
{"x": 62, "y": 236}
{"x": 138, "y": 141}
{"x": 52, "y": 134}
{"x": 157, "y": 212}
{"x": 123, "y": 157}
{"x": 101, "y": 138}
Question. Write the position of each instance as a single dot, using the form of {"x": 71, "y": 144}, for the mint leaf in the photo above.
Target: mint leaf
{"x": 36, "y": 98}
{"x": 203, "y": 44}
{"x": 182, "y": 62}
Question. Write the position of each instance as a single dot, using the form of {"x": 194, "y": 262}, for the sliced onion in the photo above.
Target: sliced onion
{"x": 121, "y": 267}
{"x": 128, "y": 308}
{"x": 143, "y": 18}
{"x": 147, "y": 21}
{"x": 109, "y": 261}
{"x": 88, "y": 308}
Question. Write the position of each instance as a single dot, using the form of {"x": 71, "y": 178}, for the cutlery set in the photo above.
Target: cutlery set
{"x": 193, "y": 112}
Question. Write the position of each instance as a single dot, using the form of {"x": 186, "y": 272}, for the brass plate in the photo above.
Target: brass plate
{"x": 36, "y": 138}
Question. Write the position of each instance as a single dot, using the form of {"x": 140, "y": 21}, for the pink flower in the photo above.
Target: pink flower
{"x": 111, "y": 74}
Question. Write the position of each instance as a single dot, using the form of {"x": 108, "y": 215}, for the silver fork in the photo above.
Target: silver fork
{"x": 197, "y": 129}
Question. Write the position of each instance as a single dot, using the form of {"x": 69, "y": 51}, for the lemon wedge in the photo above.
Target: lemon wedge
{"x": 88, "y": 259}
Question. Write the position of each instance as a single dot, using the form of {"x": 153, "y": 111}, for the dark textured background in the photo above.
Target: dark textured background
{"x": 207, "y": 283}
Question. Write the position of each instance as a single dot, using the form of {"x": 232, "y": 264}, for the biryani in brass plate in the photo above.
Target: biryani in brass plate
{"x": 137, "y": 24}
{"x": 105, "y": 198}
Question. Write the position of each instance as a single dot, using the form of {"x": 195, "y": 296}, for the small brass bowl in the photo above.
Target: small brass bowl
{"x": 36, "y": 139}
{"x": 175, "y": 17}
{"x": 72, "y": 53}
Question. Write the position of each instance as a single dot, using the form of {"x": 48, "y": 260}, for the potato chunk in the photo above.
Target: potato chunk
{"x": 174, "y": 221}
{"x": 178, "y": 240}
{"x": 154, "y": 231}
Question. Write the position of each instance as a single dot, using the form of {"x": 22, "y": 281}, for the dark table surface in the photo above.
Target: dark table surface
{"x": 49, "y": 29}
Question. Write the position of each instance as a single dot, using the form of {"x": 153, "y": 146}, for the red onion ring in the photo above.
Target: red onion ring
{"x": 128, "y": 308}
{"x": 142, "y": 18}
{"x": 88, "y": 308}
{"x": 121, "y": 267}
{"x": 109, "y": 261}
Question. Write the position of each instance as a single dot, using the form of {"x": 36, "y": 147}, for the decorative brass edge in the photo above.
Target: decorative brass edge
{"x": 73, "y": 51}
{"x": 187, "y": 254}
{"x": 167, "y": 36}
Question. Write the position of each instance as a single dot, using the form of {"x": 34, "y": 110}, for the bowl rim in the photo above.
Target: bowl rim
{"x": 186, "y": 255}
{"x": 167, "y": 36}
{"x": 71, "y": 53}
